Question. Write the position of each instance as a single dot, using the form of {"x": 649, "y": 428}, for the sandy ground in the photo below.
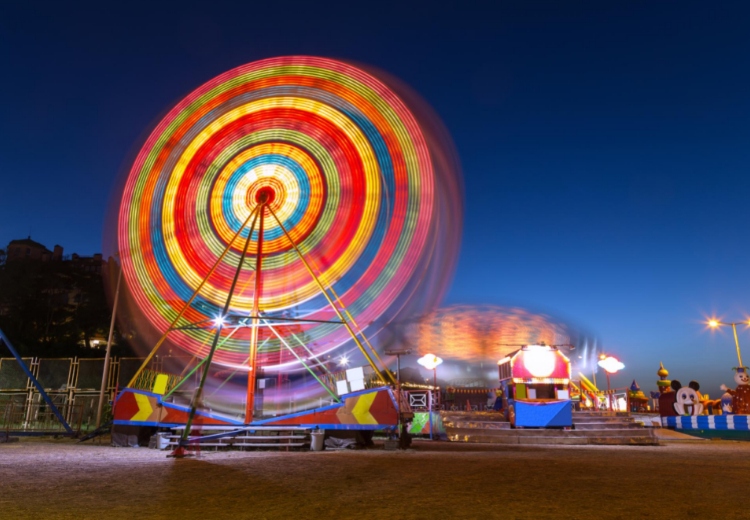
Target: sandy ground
{"x": 61, "y": 479}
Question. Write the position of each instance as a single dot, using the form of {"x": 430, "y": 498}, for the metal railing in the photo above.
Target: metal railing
{"x": 146, "y": 380}
{"x": 39, "y": 419}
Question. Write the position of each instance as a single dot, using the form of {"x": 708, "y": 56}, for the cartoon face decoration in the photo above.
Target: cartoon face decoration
{"x": 741, "y": 377}
{"x": 687, "y": 401}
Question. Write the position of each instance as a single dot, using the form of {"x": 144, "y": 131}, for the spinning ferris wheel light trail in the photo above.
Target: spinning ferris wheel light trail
{"x": 281, "y": 211}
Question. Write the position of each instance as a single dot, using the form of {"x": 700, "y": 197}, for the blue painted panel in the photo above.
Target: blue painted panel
{"x": 544, "y": 414}
{"x": 708, "y": 422}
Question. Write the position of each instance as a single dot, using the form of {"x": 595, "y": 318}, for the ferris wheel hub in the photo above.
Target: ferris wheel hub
{"x": 265, "y": 195}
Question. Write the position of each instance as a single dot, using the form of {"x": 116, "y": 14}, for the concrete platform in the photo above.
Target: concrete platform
{"x": 589, "y": 428}
{"x": 665, "y": 434}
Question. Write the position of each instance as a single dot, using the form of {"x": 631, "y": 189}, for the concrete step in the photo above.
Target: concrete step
{"x": 645, "y": 439}
{"x": 546, "y": 432}
{"x": 473, "y": 416}
{"x": 607, "y": 426}
{"x": 602, "y": 419}
{"x": 600, "y": 414}
{"x": 610, "y": 428}
{"x": 478, "y": 425}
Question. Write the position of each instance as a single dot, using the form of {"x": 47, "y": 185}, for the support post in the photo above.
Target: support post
{"x": 737, "y": 344}
{"x": 429, "y": 412}
{"x": 198, "y": 396}
{"x": 105, "y": 370}
{"x": 252, "y": 374}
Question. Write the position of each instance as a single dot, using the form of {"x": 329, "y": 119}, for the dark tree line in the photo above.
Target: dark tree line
{"x": 53, "y": 309}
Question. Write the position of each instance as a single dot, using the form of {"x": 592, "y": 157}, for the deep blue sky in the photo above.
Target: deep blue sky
{"x": 604, "y": 144}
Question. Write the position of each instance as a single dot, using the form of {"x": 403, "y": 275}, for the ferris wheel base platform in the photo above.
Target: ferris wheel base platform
{"x": 371, "y": 409}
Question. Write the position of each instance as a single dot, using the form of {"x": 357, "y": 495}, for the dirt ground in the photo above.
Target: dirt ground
{"x": 63, "y": 480}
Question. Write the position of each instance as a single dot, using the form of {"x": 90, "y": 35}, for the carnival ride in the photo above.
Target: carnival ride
{"x": 485, "y": 333}
{"x": 590, "y": 396}
{"x": 274, "y": 215}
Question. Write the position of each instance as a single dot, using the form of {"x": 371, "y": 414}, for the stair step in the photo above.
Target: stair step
{"x": 245, "y": 445}
{"x": 480, "y": 425}
{"x": 545, "y": 432}
{"x": 474, "y": 416}
{"x": 631, "y": 440}
{"x": 607, "y": 426}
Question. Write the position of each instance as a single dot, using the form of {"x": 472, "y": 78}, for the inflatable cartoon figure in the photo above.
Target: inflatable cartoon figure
{"x": 726, "y": 403}
{"x": 741, "y": 394}
{"x": 687, "y": 399}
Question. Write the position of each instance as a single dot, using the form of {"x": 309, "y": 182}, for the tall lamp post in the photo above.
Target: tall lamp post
{"x": 611, "y": 365}
{"x": 398, "y": 354}
{"x": 431, "y": 362}
{"x": 401, "y": 400}
{"x": 716, "y": 323}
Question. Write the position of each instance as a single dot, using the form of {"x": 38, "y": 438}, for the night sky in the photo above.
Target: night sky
{"x": 604, "y": 145}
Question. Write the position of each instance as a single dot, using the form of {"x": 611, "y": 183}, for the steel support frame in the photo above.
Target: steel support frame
{"x": 258, "y": 213}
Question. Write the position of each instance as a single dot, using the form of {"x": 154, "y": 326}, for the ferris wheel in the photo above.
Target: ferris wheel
{"x": 282, "y": 210}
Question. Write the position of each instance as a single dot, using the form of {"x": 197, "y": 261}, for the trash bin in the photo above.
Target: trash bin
{"x": 316, "y": 440}
{"x": 162, "y": 441}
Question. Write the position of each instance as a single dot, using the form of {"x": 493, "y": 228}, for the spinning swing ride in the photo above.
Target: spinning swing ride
{"x": 285, "y": 211}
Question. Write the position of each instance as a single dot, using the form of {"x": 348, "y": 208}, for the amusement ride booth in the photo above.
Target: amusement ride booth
{"x": 536, "y": 384}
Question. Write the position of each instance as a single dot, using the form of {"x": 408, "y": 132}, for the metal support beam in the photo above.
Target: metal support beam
{"x": 198, "y": 396}
{"x": 187, "y": 303}
{"x": 384, "y": 375}
{"x": 302, "y": 361}
{"x": 252, "y": 374}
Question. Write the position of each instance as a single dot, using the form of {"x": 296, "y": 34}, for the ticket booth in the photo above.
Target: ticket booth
{"x": 536, "y": 387}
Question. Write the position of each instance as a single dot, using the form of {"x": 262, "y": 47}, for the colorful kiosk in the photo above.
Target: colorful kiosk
{"x": 536, "y": 387}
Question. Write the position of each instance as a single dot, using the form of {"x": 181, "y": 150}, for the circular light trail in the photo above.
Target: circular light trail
{"x": 340, "y": 160}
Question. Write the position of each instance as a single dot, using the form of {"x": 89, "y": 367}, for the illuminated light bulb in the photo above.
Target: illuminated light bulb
{"x": 539, "y": 360}
{"x": 713, "y": 324}
{"x": 611, "y": 364}
{"x": 429, "y": 361}
{"x": 219, "y": 321}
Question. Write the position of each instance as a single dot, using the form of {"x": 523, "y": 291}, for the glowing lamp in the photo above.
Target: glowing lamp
{"x": 611, "y": 365}
{"x": 713, "y": 324}
{"x": 430, "y": 361}
{"x": 539, "y": 360}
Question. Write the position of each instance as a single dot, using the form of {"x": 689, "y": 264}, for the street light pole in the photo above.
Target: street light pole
{"x": 105, "y": 371}
{"x": 398, "y": 354}
{"x": 737, "y": 343}
{"x": 401, "y": 400}
{"x": 611, "y": 365}
{"x": 715, "y": 323}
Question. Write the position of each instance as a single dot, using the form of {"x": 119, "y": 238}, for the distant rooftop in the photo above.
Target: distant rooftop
{"x": 27, "y": 242}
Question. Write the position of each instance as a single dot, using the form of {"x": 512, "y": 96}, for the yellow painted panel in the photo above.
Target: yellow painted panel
{"x": 361, "y": 410}
{"x": 160, "y": 384}
{"x": 144, "y": 408}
